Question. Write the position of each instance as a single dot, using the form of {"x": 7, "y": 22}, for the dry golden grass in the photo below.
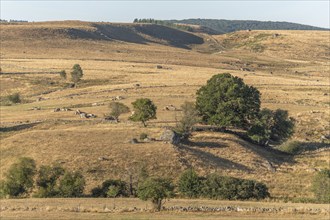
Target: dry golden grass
{"x": 299, "y": 83}
{"x": 124, "y": 209}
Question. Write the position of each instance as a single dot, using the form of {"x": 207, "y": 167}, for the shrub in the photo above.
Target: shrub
{"x": 156, "y": 190}
{"x": 117, "y": 109}
{"x": 190, "y": 184}
{"x": 63, "y": 74}
{"x": 294, "y": 147}
{"x": 14, "y": 98}
{"x": 48, "y": 181}
{"x": 111, "y": 188}
{"x": 321, "y": 186}
{"x": 227, "y": 101}
{"x": 72, "y": 184}
{"x": 143, "y": 136}
{"x": 144, "y": 110}
{"x": 189, "y": 119}
{"x": 271, "y": 125}
{"x": 19, "y": 178}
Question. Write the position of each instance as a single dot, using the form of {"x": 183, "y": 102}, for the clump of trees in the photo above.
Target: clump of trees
{"x": 227, "y": 101}
{"x": 321, "y": 186}
{"x": 220, "y": 187}
{"x": 144, "y": 110}
{"x": 51, "y": 181}
{"x": 23, "y": 178}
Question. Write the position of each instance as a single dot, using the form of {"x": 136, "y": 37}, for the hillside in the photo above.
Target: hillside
{"x": 169, "y": 66}
{"x": 226, "y": 26}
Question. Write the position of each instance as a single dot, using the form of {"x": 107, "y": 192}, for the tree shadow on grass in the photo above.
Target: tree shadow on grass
{"x": 203, "y": 144}
{"x": 18, "y": 127}
{"x": 213, "y": 159}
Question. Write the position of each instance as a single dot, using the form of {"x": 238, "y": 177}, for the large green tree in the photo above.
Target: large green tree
{"x": 227, "y": 101}
{"x": 144, "y": 110}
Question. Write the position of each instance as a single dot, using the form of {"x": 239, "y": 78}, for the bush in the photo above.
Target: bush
{"x": 72, "y": 184}
{"x": 227, "y": 101}
{"x": 14, "y": 98}
{"x": 271, "y": 125}
{"x": 117, "y": 109}
{"x": 111, "y": 188}
{"x": 225, "y": 187}
{"x": 189, "y": 119}
{"x": 144, "y": 110}
{"x": 143, "y": 136}
{"x": 321, "y": 186}
{"x": 190, "y": 184}
{"x": 19, "y": 178}
{"x": 156, "y": 190}
{"x": 294, "y": 147}
{"x": 48, "y": 181}
{"x": 63, "y": 74}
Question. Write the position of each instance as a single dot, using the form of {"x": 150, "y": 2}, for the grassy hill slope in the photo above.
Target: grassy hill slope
{"x": 33, "y": 54}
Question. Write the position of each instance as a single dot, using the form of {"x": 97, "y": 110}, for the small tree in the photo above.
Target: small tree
{"x": 72, "y": 184}
{"x": 48, "y": 181}
{"x": 321, "y": 186}
{"x": 227, "y": 101}
{"x": 63, "y": 74}
{"x": 76, "y": 73}
{"x": 117, "y": 109}
{"x": 144, "y": 110}
{"x": 14, "y": 98}
{"x": 190, "y": 184}
{"x": 271, "y": 125}
{"x": 156, "y": 190}
{"x": 19, "y": 178}
{"x": 189, "y": 119}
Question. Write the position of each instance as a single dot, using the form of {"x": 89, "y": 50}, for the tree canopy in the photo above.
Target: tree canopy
{"x": 144, "y": 110}
{"x": 76, "y": 73}
{"x": 156, "y": 190}
{"x": 227, "y": 101}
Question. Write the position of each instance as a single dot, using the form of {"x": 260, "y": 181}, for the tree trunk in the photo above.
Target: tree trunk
{"x": 157, "y": 203}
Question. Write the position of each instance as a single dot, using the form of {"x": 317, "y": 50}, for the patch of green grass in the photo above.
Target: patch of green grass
{"x": 294, "y": 147}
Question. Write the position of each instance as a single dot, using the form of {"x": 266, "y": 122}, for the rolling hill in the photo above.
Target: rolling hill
{"x": 168, "y": 65}
{"x": 226, "y": 26}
